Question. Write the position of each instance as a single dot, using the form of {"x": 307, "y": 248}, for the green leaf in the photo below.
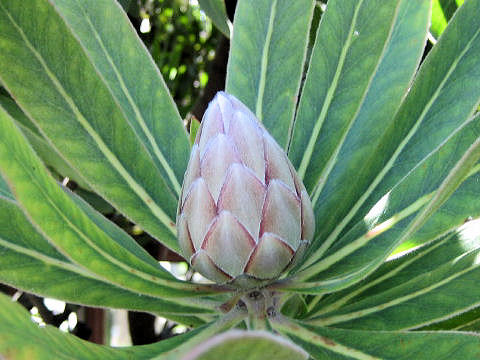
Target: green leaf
{"x": 29, "y": 262}
{"x": 116, "y": 126}
{"x": 266, "y": 61}
{"x": 364, "y": 58}
{"x": 224, "y": 323}
{"x": 95, "y": 201}
{"x": 442, "y": 11}
{"x": 194, "y": 126}
{"x": 474, "y": 325}
{"x": 439, "y": 21}
{"x": 215, "y": 10}
{"x": 21, "y": 338}
{"x": 247, "y": 345}
{"x": 436, "y": 285}
{"x": 328, "y": 343}
{"x": 16, "y": 229}
{"x": 5, "y": 190}
{"x": 48, "y": 154}
{"x": 294, "y": 307}
{"x": 15, "y": 112}
{"x": 76, "y": 229}
{"x": 461, "y": 206}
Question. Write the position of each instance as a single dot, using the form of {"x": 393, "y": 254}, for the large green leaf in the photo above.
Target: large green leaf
{"x": 328, "y": 343}
{"x": 247, "y": 345}
{"x": 22, "y": 339}
{"x": 75, "y": 228}
{"x": 363, "y": 60}
{"x": 266, "y": 61}
{"x": 437, "y": 283}
{"x": 117, "y": 126}
{"x": 215, "y": 9}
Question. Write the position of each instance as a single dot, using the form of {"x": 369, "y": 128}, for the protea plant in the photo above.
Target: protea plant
{"x": 330, "y": 199}
{"x": 244, "y": 215}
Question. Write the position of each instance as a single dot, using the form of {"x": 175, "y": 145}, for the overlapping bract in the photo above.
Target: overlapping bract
{"x": 243, "y": 213}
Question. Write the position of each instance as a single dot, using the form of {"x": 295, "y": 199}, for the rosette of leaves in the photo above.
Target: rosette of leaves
{"x": 386, "y": 143}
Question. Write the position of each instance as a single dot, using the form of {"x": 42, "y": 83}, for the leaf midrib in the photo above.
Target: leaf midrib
{"x": 329, "y": 97}
{"x": 47, "y": 259}
{"x": 4, "y": 195}
{"x": 264, "y": 63}
{"x": 459, "y": 327}
{"x": 288, "y": 326}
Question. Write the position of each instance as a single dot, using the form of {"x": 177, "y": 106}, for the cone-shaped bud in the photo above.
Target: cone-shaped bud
{"x": 244, "y": 215}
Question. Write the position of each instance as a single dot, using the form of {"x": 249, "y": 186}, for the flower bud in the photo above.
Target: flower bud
{"x": 244, "y": 216}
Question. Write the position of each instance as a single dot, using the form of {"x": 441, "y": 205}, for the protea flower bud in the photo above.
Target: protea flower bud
{"x": 244, "y": 215}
